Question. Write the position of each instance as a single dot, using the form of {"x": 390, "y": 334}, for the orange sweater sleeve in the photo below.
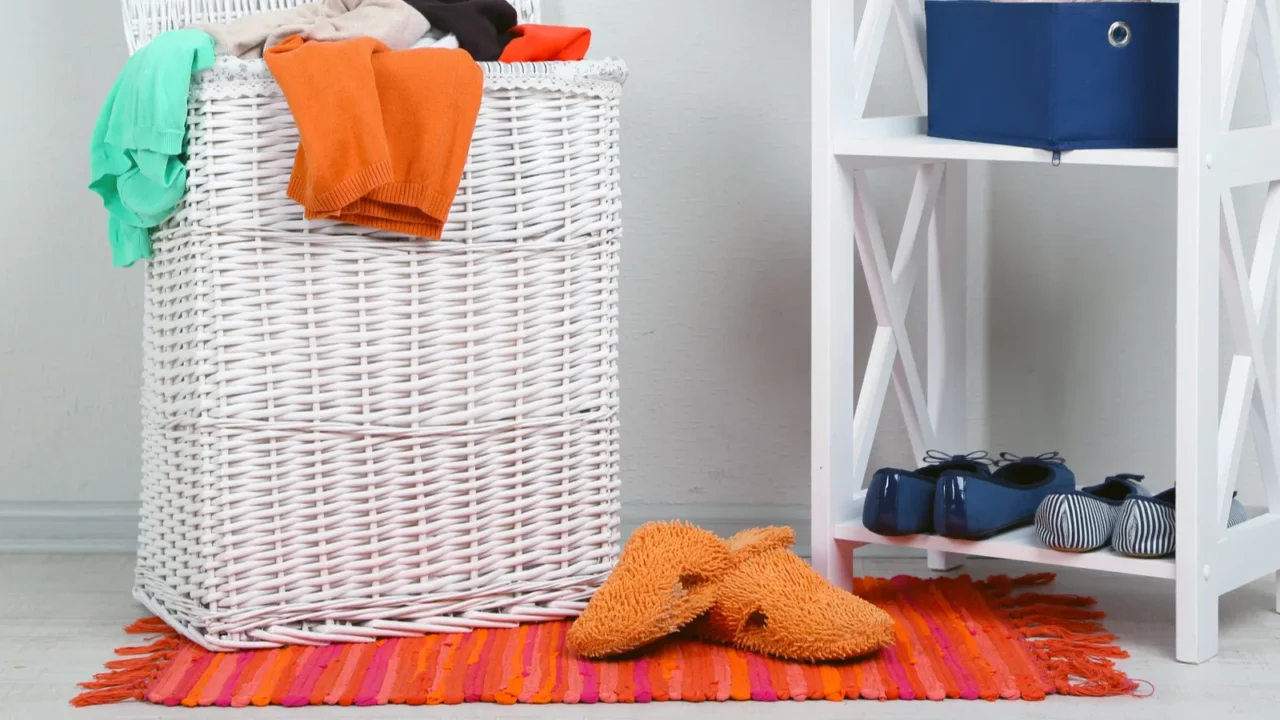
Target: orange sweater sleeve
{"x": 430, "y": 101}
{"x": 384, "y": 135}
{"x": 333, "y": 95}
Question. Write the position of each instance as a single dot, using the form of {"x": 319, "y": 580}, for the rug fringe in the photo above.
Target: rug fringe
{"x": 1076, "y": 651}
{"x": 148, "y": 625}
{"x": 128, "y": 679}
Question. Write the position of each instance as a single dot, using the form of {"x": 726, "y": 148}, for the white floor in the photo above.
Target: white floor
{"x": 60, "y": 617}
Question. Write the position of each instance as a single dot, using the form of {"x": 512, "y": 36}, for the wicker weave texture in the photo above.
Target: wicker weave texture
{"x": 350, "y": 434}
{"x": 144, "y": 19}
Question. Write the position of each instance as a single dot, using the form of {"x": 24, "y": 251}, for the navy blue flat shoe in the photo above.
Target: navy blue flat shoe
{"x": 970, "y": 506}
{"x": 900, "y": 502}
{"x": 1083, "y": 520}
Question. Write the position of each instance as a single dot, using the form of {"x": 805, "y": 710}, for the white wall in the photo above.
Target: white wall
{"x": 715, "y": 292}
{"x": 70, "y": 339}
{"x": 714, "y": 288}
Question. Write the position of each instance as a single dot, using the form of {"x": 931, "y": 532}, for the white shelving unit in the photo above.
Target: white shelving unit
{"x": 946, "y": 220}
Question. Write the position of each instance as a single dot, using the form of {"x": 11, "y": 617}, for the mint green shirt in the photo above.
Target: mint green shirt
{"x": 136, "y": 156}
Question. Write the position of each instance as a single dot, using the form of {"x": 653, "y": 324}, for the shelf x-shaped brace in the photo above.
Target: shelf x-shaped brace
{"x": 892, "y": 358}
{"x": 872, "y": 30}
{"x": 1248, "y": 291}
{"x": 1250, "y": 394}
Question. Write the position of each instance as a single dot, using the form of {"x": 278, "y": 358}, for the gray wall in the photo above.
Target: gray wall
{"x": 70, "y": 338}
{"x": 715, "y": 290}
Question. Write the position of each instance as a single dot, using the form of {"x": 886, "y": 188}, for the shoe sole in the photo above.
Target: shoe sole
{"x": 894, "y": 533}
{"x": 988, "y": 534}
{"x": 1077, "y": 551}
{"x": 1144, "y": 557}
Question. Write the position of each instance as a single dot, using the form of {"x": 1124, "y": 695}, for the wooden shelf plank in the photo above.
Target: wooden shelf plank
{"x": 1021, "y": 544}
{"x": 923, "y": 147}
{"x": 905, "y": 138}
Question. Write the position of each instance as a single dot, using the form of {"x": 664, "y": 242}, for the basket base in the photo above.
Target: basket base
{"x": 324, "y": 634}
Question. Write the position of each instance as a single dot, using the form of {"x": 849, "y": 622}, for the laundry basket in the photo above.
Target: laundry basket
{"x": 350, "y": 434}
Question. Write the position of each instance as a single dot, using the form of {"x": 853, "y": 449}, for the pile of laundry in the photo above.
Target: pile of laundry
{"x": 385, "y": 94}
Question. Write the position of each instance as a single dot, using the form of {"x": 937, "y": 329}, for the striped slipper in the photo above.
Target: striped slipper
{"x": 1083, "y": 520}
{"x": 1145, "y": 527}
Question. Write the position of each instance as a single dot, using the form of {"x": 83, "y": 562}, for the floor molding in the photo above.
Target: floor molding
{"x": 68, "y": 527}
{"x": 111, "y": 527}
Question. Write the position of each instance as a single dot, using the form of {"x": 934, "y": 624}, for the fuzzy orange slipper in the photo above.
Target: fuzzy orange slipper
{"x": 773, "y": 603}
{"x": 752, "y": 542}
{"x": 665, "y": 578}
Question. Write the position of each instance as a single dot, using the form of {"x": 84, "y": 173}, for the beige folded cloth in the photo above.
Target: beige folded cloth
{"x": 392, "y": 22}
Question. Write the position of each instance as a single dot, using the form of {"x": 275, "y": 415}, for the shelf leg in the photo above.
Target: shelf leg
{"x": 1196, "y": 343}
{"x": 940, "y": 561}
{"x": 836, "y": 563}
{"x": 833, "y": 480}
{"x": 950, "y": 303}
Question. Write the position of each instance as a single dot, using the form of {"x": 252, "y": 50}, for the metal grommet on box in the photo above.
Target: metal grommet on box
{"x": 1119, "y": 35}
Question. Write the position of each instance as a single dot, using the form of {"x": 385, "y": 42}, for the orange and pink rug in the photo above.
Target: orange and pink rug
{"x": 957, "y": 638}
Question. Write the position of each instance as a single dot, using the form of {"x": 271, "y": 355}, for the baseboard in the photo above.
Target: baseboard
{"x": 111, "y": 527}
{"x": 68, "y": 527}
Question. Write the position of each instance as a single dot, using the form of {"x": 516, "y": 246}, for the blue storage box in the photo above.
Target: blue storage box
{"x": 1056, "y": 76}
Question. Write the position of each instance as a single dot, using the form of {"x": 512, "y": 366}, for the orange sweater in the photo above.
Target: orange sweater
{"x": 384, "y": 135}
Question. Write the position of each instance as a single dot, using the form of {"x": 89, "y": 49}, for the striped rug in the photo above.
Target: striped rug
{"x": 957, "y": 638}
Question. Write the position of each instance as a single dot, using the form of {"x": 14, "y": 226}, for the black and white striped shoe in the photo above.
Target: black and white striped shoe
{"x": 1083, "y": 520}
{"x": 1146, "y": 527}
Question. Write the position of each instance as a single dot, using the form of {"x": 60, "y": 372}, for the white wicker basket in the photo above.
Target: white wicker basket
{"x": 350, "y": 434}
{"x": 144, "y": 19}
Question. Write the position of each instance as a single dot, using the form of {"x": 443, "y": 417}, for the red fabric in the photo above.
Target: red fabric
{"x": 539, "y": 43}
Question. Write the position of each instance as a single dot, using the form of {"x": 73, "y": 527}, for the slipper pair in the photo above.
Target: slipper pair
{"x": 751, "y": 592}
